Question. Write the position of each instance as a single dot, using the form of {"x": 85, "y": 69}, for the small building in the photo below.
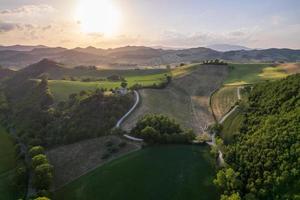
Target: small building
{"x": 121, "y": 91}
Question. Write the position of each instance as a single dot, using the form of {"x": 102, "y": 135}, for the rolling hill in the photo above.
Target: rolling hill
{"x": 133, "y": 56}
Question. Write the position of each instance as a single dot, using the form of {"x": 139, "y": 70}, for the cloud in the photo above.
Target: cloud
{"x": 6, "y": 27}
{"x": 28, "y": 10}
{"x": 203, "y": 38}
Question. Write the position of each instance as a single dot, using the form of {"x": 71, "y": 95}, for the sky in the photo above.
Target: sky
{"x": 168, "y": 23}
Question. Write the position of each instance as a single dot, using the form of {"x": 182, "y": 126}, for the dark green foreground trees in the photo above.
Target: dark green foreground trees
{"x": 264, "y": 161}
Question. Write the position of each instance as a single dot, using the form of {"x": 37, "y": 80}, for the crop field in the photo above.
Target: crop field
{"x": 7, "y": 167}
{"x": 74, "y": 160}
{"x": 231, "y": 126}
{"x": 186, "y": 99}
{"x": 251, "y": 73}
{"x": 161, "y": 172}
{"x": 223, "y": 100}
{"x": 61, "y": 89}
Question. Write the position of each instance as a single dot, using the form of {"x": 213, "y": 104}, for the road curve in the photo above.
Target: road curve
{"x": 137, "y": 100}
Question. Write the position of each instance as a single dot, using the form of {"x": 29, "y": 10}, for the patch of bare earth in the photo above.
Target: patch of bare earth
{"x": 291, "y": 68}
{"x": 74, "y": 160}
{"x": 186, "y": 99}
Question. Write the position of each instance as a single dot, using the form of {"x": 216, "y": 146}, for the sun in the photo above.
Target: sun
{"x": 98, "y": 16}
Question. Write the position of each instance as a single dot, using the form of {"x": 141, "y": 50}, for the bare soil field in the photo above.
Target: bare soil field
{"x": 74, "y": 160}
{"x": 186, "y": 99}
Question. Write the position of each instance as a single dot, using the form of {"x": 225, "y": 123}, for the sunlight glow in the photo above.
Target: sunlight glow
{"x": 98, "y": 16}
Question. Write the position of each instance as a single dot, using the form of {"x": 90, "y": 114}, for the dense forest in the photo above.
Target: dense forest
{"x": 263, "y": 162}
{"x": 29, "y": 109}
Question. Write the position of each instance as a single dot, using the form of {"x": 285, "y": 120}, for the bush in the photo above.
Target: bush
{"x": 105, "y": 156}
{"x": 109, "y": 143}
{"x": 122, "y": 144}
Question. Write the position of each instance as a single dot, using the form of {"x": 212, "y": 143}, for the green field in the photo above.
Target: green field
{"x": 61, "y": 89}
{"x": 161, "y": 172}
{"x": 7, "y": 151}
{"x": 7, "y": 167}
{"x": 251, "y": 73}
{"x": 231, "y": 126}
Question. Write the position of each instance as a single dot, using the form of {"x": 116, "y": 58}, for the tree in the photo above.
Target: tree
{"x": 36, "y": 150}
{"x": 42, "y": 198}
{"x": 149, "y": 134}
{"x": 38, "y": 160}
{"x": 228, "y": 180}
{"x": 124, "y": 84}
{"x": 43, "y": 176}
{"x": 234, "y": 196}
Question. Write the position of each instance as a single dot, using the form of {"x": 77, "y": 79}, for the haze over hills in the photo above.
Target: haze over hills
{"x": 133, "y": 56}
{"x": 227, "y": 47}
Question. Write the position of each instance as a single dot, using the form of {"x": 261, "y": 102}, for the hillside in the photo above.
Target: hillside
{"x": 5, "y": 73}
{"x": 186, "y": 99}
{"x": 133, "y": 56}
{"x": 263, "y": 161}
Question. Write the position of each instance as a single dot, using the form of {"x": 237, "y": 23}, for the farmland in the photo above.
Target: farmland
{"x": 61, "y": 89}
{"x": 223, "y": 100}
{"x": 251, "y": 73}
{"x": 186, "y": 99}
{"x": 160, "y": 172}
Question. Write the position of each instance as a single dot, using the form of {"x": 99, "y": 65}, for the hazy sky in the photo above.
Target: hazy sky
{"x": 172, "y": 23}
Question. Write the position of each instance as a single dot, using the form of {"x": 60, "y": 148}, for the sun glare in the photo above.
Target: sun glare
{"x": 98, "y": 16}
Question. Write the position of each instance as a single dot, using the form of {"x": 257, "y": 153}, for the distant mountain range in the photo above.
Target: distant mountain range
{"x": 132, "y": 56}
{"x": 227, "y": 47}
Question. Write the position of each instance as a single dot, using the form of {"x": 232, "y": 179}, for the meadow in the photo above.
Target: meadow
{"x": 8, "y": 190}
{"x": 61, "y": 89}
{"x": 159, "y": 172}
{"x": 231, "y": 126}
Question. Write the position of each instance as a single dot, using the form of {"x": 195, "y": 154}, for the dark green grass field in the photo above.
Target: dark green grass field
{"x": 7, "y": 167}
{"x": 7, "y": 151}
{"x": 161, "y": 172}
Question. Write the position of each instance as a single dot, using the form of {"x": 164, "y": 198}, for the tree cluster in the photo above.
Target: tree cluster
{"x": 214, "y": 62}
{"x": 161, "y": 129}
{"x": 42, "y": 170}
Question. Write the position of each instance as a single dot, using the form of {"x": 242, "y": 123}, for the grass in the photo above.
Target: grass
{"x": 61, "y": 89}
{"x": 7, "y": 151}
{"x": 8, "y": 190}
{"x": 224, "y": 99}
{"x": 161, "y": 172}
{"x": 231, "y": 126}
{"x": 241, "y": 74}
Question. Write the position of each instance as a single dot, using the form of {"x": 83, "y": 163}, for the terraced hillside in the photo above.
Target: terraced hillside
{"x": 186, "y": 99}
